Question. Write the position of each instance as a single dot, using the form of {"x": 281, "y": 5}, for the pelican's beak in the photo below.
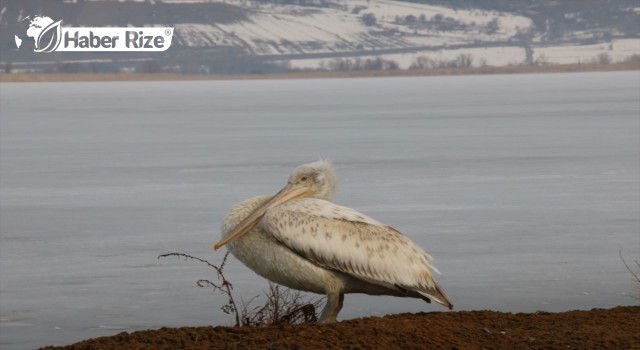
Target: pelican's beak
{"x": 289, "y": 192}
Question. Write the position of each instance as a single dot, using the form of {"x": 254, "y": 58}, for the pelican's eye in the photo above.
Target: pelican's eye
{"x": 304, "y": 179}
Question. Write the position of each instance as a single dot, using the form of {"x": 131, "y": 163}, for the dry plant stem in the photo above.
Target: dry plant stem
{"x": 283, "y": 306}
{"x": 225, "y": 287}
{"x": 635, "y": 275}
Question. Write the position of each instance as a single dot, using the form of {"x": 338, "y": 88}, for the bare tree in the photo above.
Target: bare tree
{"x": 369, "y": 19}
{"x": 633, "y": 58}
{"x": 525, "y": 38}
{"x": 464, "y": 60}
{"x": 423, "y": 62}
{"x": 603, "y": 58}
{"x": 150, "y": 67}
{"x": 493, "y": 26}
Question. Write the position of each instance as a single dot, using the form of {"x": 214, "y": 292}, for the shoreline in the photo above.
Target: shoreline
{"x": 613, "y": 328}
{"x": 86, "y": 77}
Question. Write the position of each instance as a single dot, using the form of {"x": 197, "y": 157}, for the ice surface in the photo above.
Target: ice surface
{"x": 523, "y": 188}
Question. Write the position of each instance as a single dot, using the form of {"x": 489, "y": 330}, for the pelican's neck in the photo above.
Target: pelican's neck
{"x": 241, "y": 211}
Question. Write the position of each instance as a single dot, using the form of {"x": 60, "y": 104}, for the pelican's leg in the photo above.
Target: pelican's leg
{"x": 333, "y": 307}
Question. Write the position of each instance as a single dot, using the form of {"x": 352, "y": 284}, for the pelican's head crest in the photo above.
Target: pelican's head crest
{"x": 320, "y": 177}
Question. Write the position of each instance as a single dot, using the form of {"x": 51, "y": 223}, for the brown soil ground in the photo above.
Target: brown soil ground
{"x": 519, "y": 69}
{"x": 617, "y": 328}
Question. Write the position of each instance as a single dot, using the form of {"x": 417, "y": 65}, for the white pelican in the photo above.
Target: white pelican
{"x": 301, "y": 240}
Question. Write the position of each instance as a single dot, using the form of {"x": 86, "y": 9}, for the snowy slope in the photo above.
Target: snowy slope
{"x": 317, "y": 33}
{"x": 309, "y": 36}
{"x": 291, "y": 29}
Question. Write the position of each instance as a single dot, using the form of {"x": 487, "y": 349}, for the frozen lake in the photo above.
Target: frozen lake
{"x": 523, "y": 187}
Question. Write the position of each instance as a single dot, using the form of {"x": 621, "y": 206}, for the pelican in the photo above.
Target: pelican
{"x": 300, "y": 239}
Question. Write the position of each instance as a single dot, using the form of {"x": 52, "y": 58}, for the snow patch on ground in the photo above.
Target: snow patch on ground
{"x": 618, "y": 51}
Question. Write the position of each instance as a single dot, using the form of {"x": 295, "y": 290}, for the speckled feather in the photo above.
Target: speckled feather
{"x": 345, "y": 240}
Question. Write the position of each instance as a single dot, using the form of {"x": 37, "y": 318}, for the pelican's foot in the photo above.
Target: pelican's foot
{"x": 333, "y": 307}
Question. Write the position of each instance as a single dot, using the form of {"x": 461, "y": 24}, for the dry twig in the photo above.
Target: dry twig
{"x": 636, "y": 275}
{"x": 283, "y": 306}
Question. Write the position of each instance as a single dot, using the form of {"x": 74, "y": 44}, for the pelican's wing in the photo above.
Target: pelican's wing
{"x": 343, "y": 239}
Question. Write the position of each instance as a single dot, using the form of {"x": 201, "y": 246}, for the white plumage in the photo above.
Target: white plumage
{"x": 298, "y": 238}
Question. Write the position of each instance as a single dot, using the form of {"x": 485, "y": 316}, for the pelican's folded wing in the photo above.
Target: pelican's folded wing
{"x": 343, "y": 239}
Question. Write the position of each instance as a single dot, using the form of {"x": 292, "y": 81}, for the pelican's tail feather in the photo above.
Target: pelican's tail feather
{"x": 438, "y": 295}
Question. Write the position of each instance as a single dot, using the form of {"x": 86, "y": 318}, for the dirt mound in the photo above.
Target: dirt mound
{"x": 617, "y": 328}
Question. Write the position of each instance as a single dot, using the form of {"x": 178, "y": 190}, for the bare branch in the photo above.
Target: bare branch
{"x": 635, "y": 275}
{"x": 225, "y": 287}
{"x": 191, "y": 257}
{"x": 283, "y": 306}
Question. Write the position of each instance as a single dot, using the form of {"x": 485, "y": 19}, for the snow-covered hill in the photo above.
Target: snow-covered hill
{"x": 309, "y": 35}
{"x": 229, "y": 36}
{"x": 356, "y": 25}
